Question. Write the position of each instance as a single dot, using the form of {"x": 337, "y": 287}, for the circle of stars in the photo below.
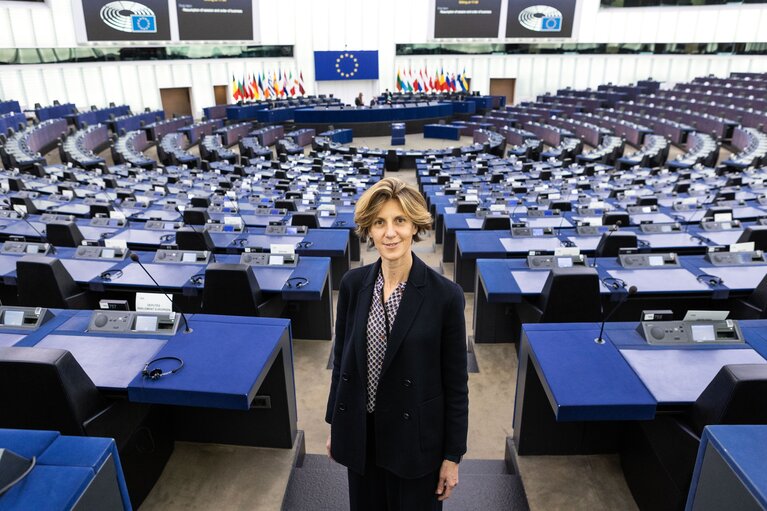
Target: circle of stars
{"x": 344, "y": 62}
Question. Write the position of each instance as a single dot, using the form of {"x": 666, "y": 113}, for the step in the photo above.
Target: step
{"x": 321, "y": 484}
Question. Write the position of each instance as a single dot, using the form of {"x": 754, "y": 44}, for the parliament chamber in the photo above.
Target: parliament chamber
{"x": 178, "y": 184}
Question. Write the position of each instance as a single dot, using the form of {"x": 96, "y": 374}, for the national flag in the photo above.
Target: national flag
{"x": 275, "y": 85}
{"x": 235, "y": 90}
{"x": 254, "y": 86}
{"x": 400, "y": 84}
{"x": 463, "y": 82}
{"x": 285, "y": 83}
{"x": 301, "y": 83}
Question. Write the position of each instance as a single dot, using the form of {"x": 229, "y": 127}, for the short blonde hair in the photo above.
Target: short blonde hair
{"x": 410, "y": 199}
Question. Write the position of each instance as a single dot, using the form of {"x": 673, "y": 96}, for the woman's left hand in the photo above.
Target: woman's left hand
{"x": 448, "y": 479}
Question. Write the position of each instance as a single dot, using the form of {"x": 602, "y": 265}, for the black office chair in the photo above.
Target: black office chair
{"x": 307, "y": 219}
{"x": 496, "y": 223}
{"x": 44, "y": 282}
{"x": 286, "y": 204}
{"x": 200, "y": 202}
{"x": 561, "y": 205}
{"x": 391, "y": 161}
{"x": 647, "y": 201}
{"x": 556, "y": 303}
{"x": 64, "y": 234}
{"x": 197, "y": 238}
{"x": 757, "y": 234}
{"x": 26, "y": 203}
{"x": 233, "y": 289}
{"x": 613, "y": 217}
{"x": 46, "y": 389}
{"x": 612, "y": 242}
{"x": 196, "y": 216}
{"x": 100, "y": 210}
{"x": 466, "y": 207}
{"x": 753, "y": 307}
{"x": 658, "y": 456}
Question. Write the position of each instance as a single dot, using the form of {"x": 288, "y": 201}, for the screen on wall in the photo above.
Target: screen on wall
{"x": 215, "y": 19}
{"x": 126, "y": 20}
{"x": 466, "y": 18}
{"x": 540, "y": 18}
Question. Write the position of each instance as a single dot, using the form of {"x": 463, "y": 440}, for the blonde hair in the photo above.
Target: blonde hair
{"x": 410, "y": 199}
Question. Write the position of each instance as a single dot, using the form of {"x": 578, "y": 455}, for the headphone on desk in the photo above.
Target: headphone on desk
{"x": 111, "y": 275}
{"x": 296, "y": 282}
{"x": 614, "y": 283}
{"x": 304, "y": 244}
{"x": 157, "y": 373}
{"x": 711, "y": 280}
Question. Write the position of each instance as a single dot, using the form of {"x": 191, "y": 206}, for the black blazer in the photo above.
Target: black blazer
{"x": 422, "y": 405}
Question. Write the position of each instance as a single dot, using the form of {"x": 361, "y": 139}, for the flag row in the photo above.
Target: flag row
{"x": 424, "y": 81}
{"x": 268, "y": 85}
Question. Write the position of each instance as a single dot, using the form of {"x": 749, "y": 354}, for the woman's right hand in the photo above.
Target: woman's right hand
{"x": 327, "y": 446}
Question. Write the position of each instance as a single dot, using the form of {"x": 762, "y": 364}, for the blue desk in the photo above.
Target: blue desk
{"x": 68, "y": 470}
{"x": 573, "y": 394}
{"x": 341, "y": 136}
{"x": 501, "y": 283}
{"x": 228, "y": 360}
{"x": 388, "y": 114}
{"x": 442, "y": 131}
{"x": 730, "y": 469}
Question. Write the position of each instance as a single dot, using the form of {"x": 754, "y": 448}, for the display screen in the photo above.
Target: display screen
{"x": 108, "y": 253}
{"x": 215, "y": 20}
{"x": 146, "y": 323}
{"x": 125, "y": 20}
{"x": 655, "y": 260}
{"x": 564, "y": 262}
{"x": 13, "y": 318}
{"x": 466, "y": 18}
{"x": 189, "y": 257}
{"x": 535, "y": 18}
{"x": 702, "y": 333}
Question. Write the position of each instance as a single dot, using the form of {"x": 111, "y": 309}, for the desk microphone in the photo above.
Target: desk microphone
{"x": 135, "y": 258}
{"x": 631, "y": 291}
{"x": 42, "y": 236}
{"x": 613, "y": 229}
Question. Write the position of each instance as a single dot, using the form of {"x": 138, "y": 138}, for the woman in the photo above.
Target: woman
{"x": 398, "y": 405}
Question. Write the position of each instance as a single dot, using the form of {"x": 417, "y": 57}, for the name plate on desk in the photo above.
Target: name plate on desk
{"x": 56, "y": 217}
{"x": 555, "y": 261}
{"x": 634, "y": 261}
{"x": 669, "y": 333}
{"x": 267, "y": 259}
{"x": 182, "y": 256}
{"x": 100, "y": 253}
{"x": 712, "y": 225}
{"x": 103, "y": 221}
{"x": 23, "y": 318}
{"x": 652, "y": 228}
{"x": 128, "y": 322}
{"x": 529, "y": 232}
{"x": 25, "y": 247}
{"x": 736, "y": 258}
{"x": 159, "y": 225}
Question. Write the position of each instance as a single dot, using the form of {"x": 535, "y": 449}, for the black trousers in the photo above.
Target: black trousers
{"x": 380, "y": 490}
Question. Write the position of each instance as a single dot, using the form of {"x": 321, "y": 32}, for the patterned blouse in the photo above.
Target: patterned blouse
{"x": 378, "y": 333}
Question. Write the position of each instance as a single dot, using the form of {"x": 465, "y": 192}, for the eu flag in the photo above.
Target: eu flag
{"x": 345, "y": 65}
